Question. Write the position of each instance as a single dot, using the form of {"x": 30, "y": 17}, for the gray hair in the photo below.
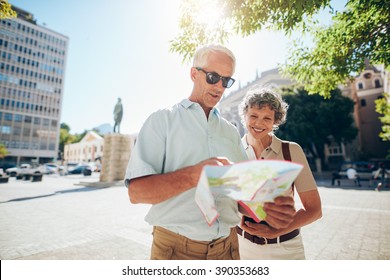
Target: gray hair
{"x": 260, "y": 97}
{"x": 201, "y": 55}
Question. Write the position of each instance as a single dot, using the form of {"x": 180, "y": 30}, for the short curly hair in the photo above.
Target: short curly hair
{"x": 259, "y": 97}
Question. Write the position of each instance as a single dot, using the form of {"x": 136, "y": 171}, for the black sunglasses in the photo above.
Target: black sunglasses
{"x": 213, "y": 78}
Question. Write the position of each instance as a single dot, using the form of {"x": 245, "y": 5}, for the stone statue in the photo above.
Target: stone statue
{"x": 118, "y": 113}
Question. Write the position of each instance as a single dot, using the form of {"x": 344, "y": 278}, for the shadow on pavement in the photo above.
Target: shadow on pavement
{"x": 84, "y": 189}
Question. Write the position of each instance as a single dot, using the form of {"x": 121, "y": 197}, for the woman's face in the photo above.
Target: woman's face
{"x": 259, "y": 122}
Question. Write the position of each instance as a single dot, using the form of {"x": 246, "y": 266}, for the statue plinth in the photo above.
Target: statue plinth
{"x": 116, "y": 154}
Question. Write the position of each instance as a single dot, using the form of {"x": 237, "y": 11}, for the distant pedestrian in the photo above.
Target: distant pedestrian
{"x": 353, "y": 175}
{"x": 383, "y": 174}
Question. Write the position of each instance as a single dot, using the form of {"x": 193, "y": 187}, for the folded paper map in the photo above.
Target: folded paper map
{"x": 251, "y": 183}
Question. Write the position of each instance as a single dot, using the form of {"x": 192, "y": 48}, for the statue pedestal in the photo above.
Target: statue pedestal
{"x": 116, "y": 154}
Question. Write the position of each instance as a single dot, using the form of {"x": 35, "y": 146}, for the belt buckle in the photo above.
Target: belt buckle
{"x": 265, "y": 240}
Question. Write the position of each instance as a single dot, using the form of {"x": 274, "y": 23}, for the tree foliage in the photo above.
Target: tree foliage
{"x": 6, "y": 10}
{"x": 242, "y": 17}
{"x": 383, "y": 108}
{"x": 313, "y": 121}
{"x": 65, "y": 137}
{"x": 3, "y": 151}
{"x": 360, "y": 31}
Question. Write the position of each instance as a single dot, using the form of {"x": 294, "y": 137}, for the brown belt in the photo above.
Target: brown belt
{"x": 263, "y": 240}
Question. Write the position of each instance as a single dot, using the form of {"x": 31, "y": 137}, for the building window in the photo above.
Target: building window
{"x": 6, "y": 129}
{"x": 363, "y": 103}
{"x": 27, "y": 119}
{"x": 367, "y": 75}
{"x": 377, "y": 83}
{"x": 360, "y": 85}
{"x": 17, "y": 130}
{"x": 26, "y": 131}
{"x": 52, "y": 146}
{"x": 18, "y": 118}
{"x": 8, "y": 117}
{"x": 43, "y": 146}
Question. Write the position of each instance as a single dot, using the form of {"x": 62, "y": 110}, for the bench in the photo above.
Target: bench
{"x": 4, "y": 179}
{"x": 36, "y": 177}
{"x": 26, "y": 177}
{"x": 347, "y": 182}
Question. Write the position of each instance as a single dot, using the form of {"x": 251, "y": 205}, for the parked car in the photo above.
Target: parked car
{"x": 71, "y": 165}
{"x": 81, "y": 169}
{"x": 51, "y": 168}
{"x": 364, "y": 170}
{"x": 5, "y": 166}
{"x": 24, "y": 168}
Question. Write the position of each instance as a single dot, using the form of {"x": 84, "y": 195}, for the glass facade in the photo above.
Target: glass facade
{"x": 32, "y": 69}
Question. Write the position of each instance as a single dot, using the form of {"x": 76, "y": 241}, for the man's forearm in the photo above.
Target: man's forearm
{"x": 157, "y": 188}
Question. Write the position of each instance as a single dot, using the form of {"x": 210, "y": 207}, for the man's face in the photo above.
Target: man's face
{"x": 208, "y": 95}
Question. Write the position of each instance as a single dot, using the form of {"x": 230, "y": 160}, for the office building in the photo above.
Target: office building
{"x": 32, "y": 71}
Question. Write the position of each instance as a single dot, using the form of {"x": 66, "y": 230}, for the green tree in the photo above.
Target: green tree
{"x": 3, "y": 151}
{"x": 65, "y": 137}
{"x": 203, "y": 22}
{"x": 360, "y": 31}
{"x": 313, "y": 121}
{"x": 6, "y": 10}
{"x": 383, "y": 108}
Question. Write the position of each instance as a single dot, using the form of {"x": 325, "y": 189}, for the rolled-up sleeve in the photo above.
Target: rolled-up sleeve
{"x": 147, "y": 157}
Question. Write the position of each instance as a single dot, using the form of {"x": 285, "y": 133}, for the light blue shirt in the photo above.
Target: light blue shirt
{"x": 178, "y": 137}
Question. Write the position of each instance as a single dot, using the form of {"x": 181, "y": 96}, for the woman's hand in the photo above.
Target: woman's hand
{"x": 281, "y": 212}
{"x": 261, "y": 230}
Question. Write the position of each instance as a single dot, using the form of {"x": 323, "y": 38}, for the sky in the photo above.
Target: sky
{"x": 120, "y": 49}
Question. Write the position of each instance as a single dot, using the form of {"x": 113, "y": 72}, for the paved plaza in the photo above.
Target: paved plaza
{"x": 77, "y": 218}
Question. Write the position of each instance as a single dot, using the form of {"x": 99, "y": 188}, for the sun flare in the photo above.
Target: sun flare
{"x": 207, "y": 13}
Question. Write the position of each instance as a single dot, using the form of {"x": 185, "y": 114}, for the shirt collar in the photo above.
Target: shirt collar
{"x": 244, "y": 142}
{"x": 276, "y": 144}
{"x": 186, "y": 103}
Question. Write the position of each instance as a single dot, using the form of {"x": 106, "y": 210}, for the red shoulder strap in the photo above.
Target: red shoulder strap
{"x": 287, "y": 156}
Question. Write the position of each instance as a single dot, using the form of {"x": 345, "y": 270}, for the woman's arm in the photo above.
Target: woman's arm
{"x": 310, "y": 212}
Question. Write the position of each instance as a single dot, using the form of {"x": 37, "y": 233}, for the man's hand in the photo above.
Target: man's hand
{"x": 197, "y": 168}
{"x": 280, "y": 213}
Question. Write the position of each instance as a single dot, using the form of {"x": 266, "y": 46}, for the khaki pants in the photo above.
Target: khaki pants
{"x": 168, "y": 245}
